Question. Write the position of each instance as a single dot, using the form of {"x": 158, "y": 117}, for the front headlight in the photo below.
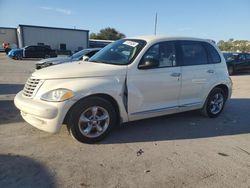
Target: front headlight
{"x": 58, "y": 95}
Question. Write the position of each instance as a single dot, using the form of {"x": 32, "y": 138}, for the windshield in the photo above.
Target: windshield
{"x": 121, "y": 52}
{"x": 79, "y": 54}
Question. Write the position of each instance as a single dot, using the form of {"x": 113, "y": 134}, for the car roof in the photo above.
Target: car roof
{"x": 154, "y": 38}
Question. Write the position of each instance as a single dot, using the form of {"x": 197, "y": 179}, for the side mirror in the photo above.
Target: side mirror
{"x": 148, "y": 63}
{"x": 85, "y": 58}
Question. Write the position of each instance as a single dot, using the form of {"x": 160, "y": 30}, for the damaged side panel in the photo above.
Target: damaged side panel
{"x": 125, "y": 95}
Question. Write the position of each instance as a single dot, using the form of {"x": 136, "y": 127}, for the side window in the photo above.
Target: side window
{"x": 213, "y": 55}
{"x": 242, "y": 57}
{"x": 248, "y": 56}
{"x": 164, "y": 52}
{"x": 153, "y": 52}
{"x": 90, "y": 54}
{"x": 167, "y": 54}
{"x": 193, "y": 53}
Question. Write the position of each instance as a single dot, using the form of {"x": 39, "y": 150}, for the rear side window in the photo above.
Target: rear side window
{"x": 193, "y": 53}
{"x": 242, "y": 57}
{"x": 213, "y": 55}
{"x": 248, "y": 56}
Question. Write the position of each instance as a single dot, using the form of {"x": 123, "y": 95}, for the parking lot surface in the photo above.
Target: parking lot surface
{"x": 182, "y": 150}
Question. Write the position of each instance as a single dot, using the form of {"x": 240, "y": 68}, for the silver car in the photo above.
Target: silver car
{"x": 81, "y": 55}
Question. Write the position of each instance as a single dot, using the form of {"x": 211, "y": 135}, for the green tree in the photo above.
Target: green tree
{"x": 234, "y": 45}
{"x": 107, "y": 34}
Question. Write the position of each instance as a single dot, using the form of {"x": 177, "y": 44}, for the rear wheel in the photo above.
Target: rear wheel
{"x": 215, "y": 103}
{"x": 91, "y": 119}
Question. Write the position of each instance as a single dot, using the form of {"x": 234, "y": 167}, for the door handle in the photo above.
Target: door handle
{"x": 175, "y": 74}
{"x": 210, "y": 71}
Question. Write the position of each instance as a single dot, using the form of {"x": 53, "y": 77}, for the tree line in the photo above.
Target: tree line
{"x": 230, "y": 45}
{"x": 234, "y": 45}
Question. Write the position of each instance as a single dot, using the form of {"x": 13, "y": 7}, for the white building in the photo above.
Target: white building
{"x": 56, "y": 38}
{"x": 8, "y": 35}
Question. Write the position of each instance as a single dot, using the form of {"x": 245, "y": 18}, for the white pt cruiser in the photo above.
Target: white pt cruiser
{"x": 130, "y": 79}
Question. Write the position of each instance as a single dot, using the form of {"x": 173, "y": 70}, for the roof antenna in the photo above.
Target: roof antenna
{"x": 155, "y": 22}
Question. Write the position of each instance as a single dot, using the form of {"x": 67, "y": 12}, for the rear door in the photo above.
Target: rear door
{"x": 40, "y": 52}
{"x": 197, "y": 73}
{"x": 29, "y": 52}
{"x": 248, "y": 61}
{"x": 242, "y": 64}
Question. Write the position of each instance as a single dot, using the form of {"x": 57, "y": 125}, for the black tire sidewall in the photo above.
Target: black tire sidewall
{"x": 211, "y": 95}
{"x": 79, "y": 108}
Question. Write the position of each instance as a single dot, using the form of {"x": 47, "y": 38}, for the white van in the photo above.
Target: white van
{"x": 130, "y": 79}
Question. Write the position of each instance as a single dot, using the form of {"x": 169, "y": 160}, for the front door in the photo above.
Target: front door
{"x": 155, "y": 91}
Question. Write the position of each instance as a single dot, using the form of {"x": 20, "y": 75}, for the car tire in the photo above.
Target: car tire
{"x": 91, "y": 119}
{"x": 18, "y": 57}
{"x": 214, "y": 104}
{"x": 231, "y": 70}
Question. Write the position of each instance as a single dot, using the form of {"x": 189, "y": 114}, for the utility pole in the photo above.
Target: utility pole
{"x": 155, "y": 22}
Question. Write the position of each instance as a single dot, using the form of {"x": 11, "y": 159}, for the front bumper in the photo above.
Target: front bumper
{"x": 46, "y": 116}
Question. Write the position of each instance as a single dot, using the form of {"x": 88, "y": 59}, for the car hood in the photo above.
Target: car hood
{"x": 54, "y": 60}
{"x": 80, "y": 69}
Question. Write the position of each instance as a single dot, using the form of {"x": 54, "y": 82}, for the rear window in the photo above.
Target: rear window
{"x": 193, "y": 53}
{"x": 213, "y": 55}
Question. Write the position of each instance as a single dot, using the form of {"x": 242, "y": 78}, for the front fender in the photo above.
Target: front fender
{"x": 85, "y": 87}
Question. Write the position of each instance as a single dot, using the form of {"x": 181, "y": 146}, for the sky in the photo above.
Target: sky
{"x": 212, "y": 19}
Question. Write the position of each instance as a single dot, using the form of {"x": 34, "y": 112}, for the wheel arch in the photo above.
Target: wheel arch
{"x": 224, "y": 88}
{"x": 100, "y": 95}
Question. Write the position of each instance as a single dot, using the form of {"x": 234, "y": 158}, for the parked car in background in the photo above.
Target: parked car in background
{"x": 237, "y": 62}
{"x": 81, "y": 55}
{"x": 130, "y": 79}
{"x": 32, "y": 52}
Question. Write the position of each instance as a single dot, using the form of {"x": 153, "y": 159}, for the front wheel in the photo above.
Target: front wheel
{"x": 215, "y": 103}
{"x": 91, "y": 119}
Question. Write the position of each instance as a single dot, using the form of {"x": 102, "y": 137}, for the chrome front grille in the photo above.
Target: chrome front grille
{"x": 31, "y": 87}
